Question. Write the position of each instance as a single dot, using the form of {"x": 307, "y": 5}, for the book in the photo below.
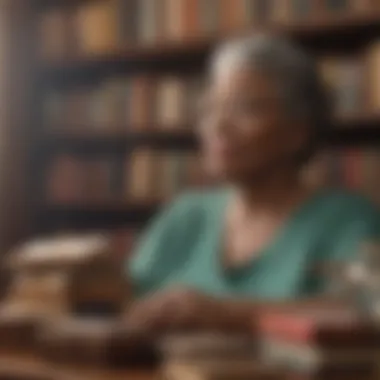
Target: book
{"x": 173, "y": 30}
{"x": 306, "y": 358}
{"x": 210, "y": 13}
{"x": 53, "y": 36}
{"x": 231, "y": 15}
{"x": 329, "y": 328}
{"x": 110, "y": 105}
{"x": 127, "y": 19}
{"x": 170, "y": 102}
{"x": 149, "y": 21}
{"x": 94, "y": 342}
{"x": 140, "y": 175}
{"x": 373, "y": 76}
{"x": 217, "y": 370}
{"x": 65, "y": 179}
{"x": 207, "y": 346}
{"x": 57, "y": 253}
{"x": 19, "y": 328}
{"x": 141, "y": 113}
{"x": 97, "y": 27}
{"x": 344, "y": 76}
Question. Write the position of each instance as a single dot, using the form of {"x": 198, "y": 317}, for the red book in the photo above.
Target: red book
{"x": 324, "y": 328}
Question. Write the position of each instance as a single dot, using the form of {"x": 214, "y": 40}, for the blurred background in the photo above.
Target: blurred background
{"x": 98, "y": 103}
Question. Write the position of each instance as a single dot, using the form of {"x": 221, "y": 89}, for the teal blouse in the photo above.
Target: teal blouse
{"x": 183, "y": 246}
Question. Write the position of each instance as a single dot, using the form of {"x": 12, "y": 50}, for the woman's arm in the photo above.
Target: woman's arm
{"x": 183, "y": 309}
{"x": 238, "y": 315}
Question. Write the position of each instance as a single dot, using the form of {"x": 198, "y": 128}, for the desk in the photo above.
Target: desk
{"x": 29, "y": 367}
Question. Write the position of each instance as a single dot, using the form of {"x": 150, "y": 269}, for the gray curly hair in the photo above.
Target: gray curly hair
{"x": 300, "y": 86}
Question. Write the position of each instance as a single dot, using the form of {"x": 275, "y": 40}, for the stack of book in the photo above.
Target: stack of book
{"x": 64, "y": 275}
{"x": 92, "y": 344}
{"x": 104, "y": 26}
{"x": 320, "y": 344}
{"x": 209, "y": 356}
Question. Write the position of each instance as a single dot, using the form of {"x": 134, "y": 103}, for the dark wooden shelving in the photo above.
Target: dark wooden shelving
{"x": 360, "y": 129}
{"x": 363, "y": 129}
{"x": 43, "y": 4}
{"x": 344, "y": 33}
{"x": 113, "y": 142}
{"x": 92, "y": 216}
{"x": 336, "y": 34}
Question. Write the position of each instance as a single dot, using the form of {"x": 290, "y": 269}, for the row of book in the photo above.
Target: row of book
{"x": 353, "y": 168}
{"x": 103, "y": 26}
{"x": 167, "y": 102}
{"x": 353, "y": 80}
{"x": 147, "y": 175}
{"x": 144, "y": 175}
{"x": 121, "y": 103}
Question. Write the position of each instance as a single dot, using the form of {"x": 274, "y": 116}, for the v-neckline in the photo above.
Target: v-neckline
{"x": 268, "y": 249}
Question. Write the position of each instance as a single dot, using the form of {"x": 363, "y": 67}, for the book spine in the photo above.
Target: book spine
{"x": 231, "y": 16}
{"x": 373, "y": 76}
{"x": 142, "y": 102}
{"x": 97, "y": 27}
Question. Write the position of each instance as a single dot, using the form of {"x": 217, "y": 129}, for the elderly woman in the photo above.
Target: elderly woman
{"x": 212, "y": 258}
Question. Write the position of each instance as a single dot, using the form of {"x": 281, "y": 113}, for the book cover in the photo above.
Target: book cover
{"x": 142, "y": 97}
{"x": 53, "y": 34}
{"x": 190, "y": 14}
{"x": 170, "y": 103}
{"x": 77, "y": 105}
{"x": 323, "y": 327}
{"x": 148, "y": 23}
{"x": 174, "y": 26}
{"x": 350, "y": 90}
{"x": 231, "y": 16}
{"x": 140, "y": 175}
{"x": 373, "y": 76}
{"x": 351, "y": 161}
{"x": 65, "y": 179}
{"x": 127, "y": 20}
{"x": 308, "y": 358}
{"x": 210, "y": 17}
{"x": 97, "y": 27}
{"x": 217, "y": 369}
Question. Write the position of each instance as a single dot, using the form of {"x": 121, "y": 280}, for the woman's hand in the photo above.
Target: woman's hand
{"x": 176, "y": 309}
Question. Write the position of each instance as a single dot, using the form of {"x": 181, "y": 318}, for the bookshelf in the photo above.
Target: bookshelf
{"x": 325, "y": 33}
{"x": 316, "y": 35}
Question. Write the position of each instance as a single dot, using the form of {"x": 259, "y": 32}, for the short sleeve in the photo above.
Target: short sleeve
{"x": 158, "y": 247}
{"x": 360, "y": 228}
{"x": 345, "y": 243}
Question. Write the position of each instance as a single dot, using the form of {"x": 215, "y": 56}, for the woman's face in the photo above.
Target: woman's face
{"x": 244, "y": 128}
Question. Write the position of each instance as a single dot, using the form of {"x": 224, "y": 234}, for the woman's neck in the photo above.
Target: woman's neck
{"x": 277, "y": 194}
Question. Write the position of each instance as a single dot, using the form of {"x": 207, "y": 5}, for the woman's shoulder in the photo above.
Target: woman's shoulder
{"x": 343, "y": 210}
{"x": 345, "y": 202}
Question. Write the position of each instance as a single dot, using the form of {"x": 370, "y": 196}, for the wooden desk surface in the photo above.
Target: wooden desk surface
{"x": 32, "y": 367}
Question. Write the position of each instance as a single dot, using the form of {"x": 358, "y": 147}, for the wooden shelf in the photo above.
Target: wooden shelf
{"x": 93, "y": 216}
{"x": 356, "y": 130}
{"x": 43, "y": 4}
{"x": 362, "y": 129}
{"x": 119, "y": 142}
{"x": 331, "y": 33}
